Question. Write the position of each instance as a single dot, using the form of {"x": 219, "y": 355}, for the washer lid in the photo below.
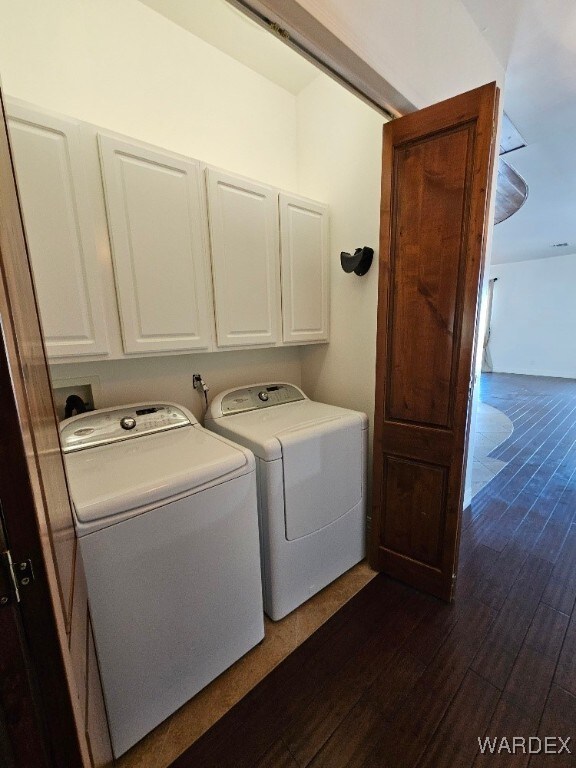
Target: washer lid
{"x": 259, "y": 430}
{"x": 112, "y": 479}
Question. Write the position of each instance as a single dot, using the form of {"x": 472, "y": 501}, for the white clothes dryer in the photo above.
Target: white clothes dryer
{"x": 311, "y": 471}
{"x": 167, "y": 522}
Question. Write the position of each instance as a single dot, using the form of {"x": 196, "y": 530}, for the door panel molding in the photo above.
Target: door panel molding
{"x": 414, "y": 484}
{"x": 436, "y": 184}
{"x": 418, "y": 297}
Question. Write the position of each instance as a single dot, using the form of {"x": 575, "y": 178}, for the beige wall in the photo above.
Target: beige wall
{"x": 120, "y": 65}
{"x": 170, "y": 378}
{"x": 128, "y": 69}
{"x": 340, "y": 141}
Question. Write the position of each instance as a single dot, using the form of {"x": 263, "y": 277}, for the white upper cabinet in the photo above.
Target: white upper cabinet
{"x": 243, "y": 219}
{"x": 157, "y": 220}
{"x": 133, "y": 254}
{"x": 305, "y": 269}
{"x": 60, "y": 231}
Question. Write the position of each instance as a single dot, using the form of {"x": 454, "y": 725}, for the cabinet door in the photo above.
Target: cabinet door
{"x": 243, "y": 219}
{"x": 156, "y": 220}
{"x": 305, "y": 276}
{"x": 60, "y": 232}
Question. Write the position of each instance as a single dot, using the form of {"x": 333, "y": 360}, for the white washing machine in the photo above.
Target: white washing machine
{"x": 168, "y": 530}
{"x": 311, "y": 470}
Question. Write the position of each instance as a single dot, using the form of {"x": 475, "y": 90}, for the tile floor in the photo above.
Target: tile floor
{"x": 174, "y": 735}
{"x": 493, "y": 427}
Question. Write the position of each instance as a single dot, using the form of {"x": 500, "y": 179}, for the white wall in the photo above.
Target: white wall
{"x": 120, "y": 65}
{"x": 534, "y": 317}
{"x": 170, "y": 378}
{"x": 340, "y": 145}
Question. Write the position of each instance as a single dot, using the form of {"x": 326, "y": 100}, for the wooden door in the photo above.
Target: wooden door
{"x": 305, "y": 269}
{"x": 157, "y": 223}
{"x": 60, "y": 231}
{"x": 437, "y": 172}
{"x": 243, "y": 218}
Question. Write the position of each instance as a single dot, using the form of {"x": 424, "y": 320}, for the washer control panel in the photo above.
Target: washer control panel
{"x": 109, "y": 425}
{"x": 259, "y": 396}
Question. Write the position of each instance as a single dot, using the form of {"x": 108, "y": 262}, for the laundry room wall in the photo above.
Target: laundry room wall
{"x": 340, "y": 145}
{"x": 124, "y": 67}
{"x": 169, "y": 378}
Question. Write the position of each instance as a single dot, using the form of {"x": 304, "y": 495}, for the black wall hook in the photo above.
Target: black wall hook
{"x": 359, "y": 263}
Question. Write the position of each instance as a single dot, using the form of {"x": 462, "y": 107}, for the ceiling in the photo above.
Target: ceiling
{"x": 536, "y": 41}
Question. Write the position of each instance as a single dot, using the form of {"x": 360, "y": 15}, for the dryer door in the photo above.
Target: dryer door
{"x": 323, "y": 469}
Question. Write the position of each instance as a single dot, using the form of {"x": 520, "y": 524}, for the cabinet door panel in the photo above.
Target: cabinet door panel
{"x": 60, "y": 232}
{"x": 156, "y": 219}
{"x": 245, "y": 257}
{"x": 305, "y": 277}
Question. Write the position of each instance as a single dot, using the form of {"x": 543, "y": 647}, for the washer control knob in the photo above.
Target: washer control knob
{"x": 128, "y": 422}
{"x": 263, "y": 396}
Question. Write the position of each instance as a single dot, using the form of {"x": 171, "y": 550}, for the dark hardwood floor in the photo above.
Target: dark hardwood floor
{"x": 398, "y": 679}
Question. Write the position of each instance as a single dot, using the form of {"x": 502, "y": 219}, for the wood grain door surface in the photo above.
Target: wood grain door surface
{"x": 437, "y": 172}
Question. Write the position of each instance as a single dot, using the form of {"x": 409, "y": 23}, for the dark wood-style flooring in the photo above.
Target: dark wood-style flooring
{"x": 398, "y": 679}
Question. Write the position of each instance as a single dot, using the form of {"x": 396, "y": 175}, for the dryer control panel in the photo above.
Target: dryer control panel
{"x": 109, "y": 425}
{"x": 259, "y": 396}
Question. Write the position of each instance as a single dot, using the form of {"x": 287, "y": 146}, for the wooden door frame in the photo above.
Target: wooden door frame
{"x": 43, "y": 634}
